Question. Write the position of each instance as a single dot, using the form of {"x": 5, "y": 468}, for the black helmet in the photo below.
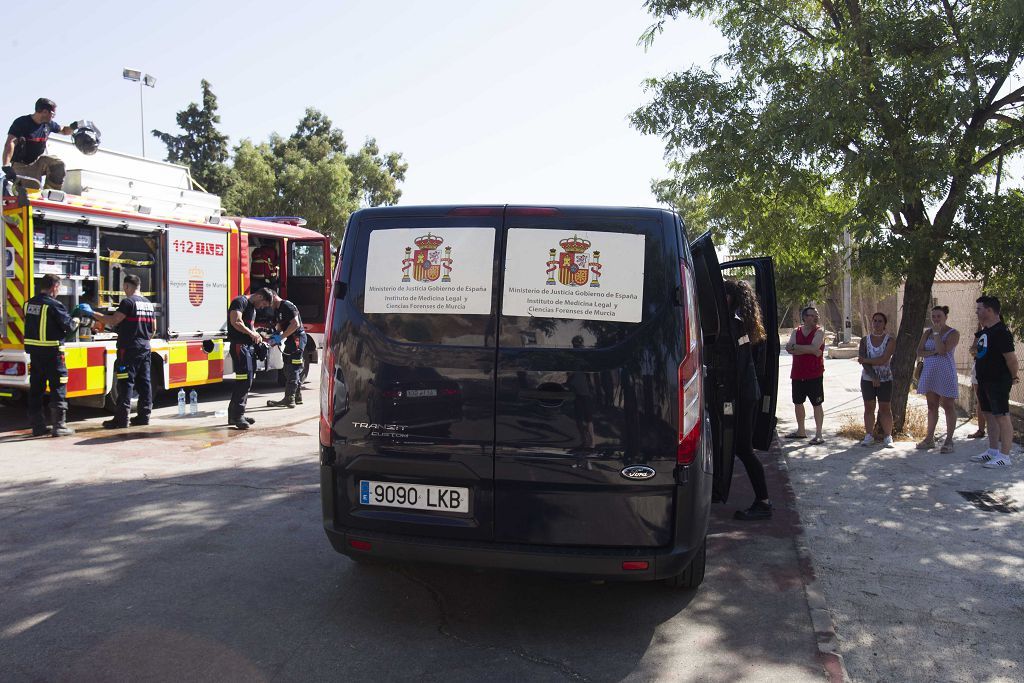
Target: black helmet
{"x": 86, "y": 137}
{"x": 260, "y": 351}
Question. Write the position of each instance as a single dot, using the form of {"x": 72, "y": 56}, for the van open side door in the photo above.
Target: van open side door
{"x": 720, "y": 351}
{"x": 760, "y": 273}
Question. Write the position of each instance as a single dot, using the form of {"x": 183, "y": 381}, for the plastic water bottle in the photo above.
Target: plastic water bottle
{"x": 181, "y": 403}
{"x": 193, "y": 403}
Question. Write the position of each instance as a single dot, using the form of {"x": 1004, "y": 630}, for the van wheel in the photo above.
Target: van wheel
{"x": 693, "y": 575}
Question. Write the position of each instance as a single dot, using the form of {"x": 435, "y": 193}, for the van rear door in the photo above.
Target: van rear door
{"x": 760, "y": 273}
{"x": 414, "y": 344}
{"x": 719, "y": 360}
{"x": 590, "y": 342}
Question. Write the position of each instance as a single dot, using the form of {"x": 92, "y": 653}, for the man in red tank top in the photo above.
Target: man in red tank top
{"x": 807, "y": 346}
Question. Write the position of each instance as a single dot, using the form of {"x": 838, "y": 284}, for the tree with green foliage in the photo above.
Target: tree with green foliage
{"x": 901, "y": 106}
{"x": 992, "y": 248}
{"x": 310, "y": 174}
{"x": 797, "y": 220}
{"x": 200, "y": 146}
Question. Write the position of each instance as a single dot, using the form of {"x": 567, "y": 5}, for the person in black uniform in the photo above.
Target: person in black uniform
{"x": 135, "y": 320}
{"x": 47, "y": 323}
{"x": 243, "y": 337}
{"x": 292, "y": 337}
{"x": 750, "y": 336}
{"x": 25, "y": 149}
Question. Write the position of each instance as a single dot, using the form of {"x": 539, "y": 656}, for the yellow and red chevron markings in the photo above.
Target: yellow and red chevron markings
{"x": 16, "y": 225}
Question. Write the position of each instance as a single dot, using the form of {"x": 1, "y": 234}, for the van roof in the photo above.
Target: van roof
{"x": 630, "y": 211}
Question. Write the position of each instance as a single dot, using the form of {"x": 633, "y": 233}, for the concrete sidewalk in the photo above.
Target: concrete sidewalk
{"x": 922, "y": 585}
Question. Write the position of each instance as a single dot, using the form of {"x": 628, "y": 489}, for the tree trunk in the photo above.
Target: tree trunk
{"x": 916, "y": 304}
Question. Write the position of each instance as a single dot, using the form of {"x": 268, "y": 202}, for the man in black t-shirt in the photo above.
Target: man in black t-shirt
{"x": 25, "y": 149}
{"x": 292, "y": 337}
{"x": 135, "y": 320}
{"x": 242, "y": 336}
{"x": 997, "y": 369}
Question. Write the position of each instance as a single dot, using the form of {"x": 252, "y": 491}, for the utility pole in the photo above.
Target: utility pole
{"x": 847, "y": 289}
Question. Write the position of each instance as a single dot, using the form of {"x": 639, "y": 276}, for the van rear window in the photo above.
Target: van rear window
{"x": 429, "y": 285}
{"x": 583, "y": 283}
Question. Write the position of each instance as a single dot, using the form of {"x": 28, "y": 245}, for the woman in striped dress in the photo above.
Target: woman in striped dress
{"x": 938, "y": 377}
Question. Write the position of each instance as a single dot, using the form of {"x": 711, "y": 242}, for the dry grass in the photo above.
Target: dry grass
{"x": 914, "y": 428}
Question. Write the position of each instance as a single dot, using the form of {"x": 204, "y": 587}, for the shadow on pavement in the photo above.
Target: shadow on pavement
{"x": 226, "y": 574}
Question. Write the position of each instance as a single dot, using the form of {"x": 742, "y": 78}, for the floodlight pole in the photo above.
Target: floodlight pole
{"x": 142, "y": 121}
{"x": 144, "y": 80}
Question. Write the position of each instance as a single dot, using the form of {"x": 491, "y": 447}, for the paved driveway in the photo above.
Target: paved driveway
{"x": 190, "y": 551}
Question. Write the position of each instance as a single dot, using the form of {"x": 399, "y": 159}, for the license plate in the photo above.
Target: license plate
{"x": 414, "y": 496}
{"x": 420, "y": 393}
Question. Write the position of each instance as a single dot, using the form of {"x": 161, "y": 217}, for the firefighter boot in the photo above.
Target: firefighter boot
{"x": 298, "y": 396}
{"x": 287, "y": 402}
{"x": 60, "y": 427}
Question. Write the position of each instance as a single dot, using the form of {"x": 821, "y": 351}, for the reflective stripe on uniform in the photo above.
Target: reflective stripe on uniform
{"x": 64, "y": 380}
{"x": 41, "y": 340}
{"x": 296, "y": 361}
{"x": 122, "y": 375}
{"x": 238, "y": 376}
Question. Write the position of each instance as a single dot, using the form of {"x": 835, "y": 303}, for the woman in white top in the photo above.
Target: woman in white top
{"x": 875, "y": 356}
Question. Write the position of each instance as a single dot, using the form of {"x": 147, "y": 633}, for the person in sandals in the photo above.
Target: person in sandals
{"x": 875, "y": 355}
{"x": 807, "y": 346}
{"x": 938, "y": 376}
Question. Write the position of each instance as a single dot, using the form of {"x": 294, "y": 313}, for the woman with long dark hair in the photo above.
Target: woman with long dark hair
{"x": 750, "y": 334}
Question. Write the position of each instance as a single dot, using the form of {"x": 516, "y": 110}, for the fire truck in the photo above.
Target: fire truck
{"x": 119, "y": 214}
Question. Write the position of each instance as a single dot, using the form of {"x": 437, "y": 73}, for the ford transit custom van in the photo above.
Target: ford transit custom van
{"x": 533, "y": 388}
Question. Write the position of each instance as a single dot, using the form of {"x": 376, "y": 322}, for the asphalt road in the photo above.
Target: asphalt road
{"x": 187, "y": 550}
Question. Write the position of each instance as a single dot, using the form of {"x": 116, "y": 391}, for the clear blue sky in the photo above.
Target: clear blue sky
{"x": 519, "y": 102}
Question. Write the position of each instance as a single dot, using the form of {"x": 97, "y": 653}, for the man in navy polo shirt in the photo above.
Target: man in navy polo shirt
{"x": 25, "y": 149}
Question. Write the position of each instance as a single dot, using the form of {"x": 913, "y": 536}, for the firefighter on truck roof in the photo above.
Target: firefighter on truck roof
{"x": 135, "y": 320}
{"x": 25, "y": 149}
{"x": 47, "y": 323}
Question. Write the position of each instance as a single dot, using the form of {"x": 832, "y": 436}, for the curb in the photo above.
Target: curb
{"x": 827, "y": 640}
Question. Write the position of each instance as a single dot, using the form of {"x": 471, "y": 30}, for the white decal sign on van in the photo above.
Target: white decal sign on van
{"x": 586, "y": 275}
{"x": 440, "y": 270}
{"x": 197, "y": 278}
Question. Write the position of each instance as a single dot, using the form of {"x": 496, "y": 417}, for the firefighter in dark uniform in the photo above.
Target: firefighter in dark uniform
{"x": 135, "y": 320}
{"x": 47, "y": 323}
{"x": 243, "y": 338}
{"x": 292, "y": 337}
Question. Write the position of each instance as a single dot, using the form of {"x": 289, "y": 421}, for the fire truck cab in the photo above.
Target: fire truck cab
{"x": 119, "y": 214}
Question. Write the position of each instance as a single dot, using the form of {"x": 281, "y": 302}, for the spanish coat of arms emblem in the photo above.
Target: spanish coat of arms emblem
{"x": 574, "y": 265}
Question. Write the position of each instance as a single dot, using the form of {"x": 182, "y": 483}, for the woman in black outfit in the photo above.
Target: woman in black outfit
{"x": 749, "y": 332}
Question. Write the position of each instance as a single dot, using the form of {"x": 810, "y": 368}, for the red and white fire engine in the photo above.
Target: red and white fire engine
{"x": 119, "y": 214}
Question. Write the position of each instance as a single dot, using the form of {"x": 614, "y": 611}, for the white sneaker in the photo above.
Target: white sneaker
{"x": 868, "y": 441}
{"x": 1002, "y": 460}
{"x": 984, "y": 457}
{"x": 887, "y": 442}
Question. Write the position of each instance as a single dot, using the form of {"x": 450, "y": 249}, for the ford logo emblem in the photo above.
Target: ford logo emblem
{"x": 637, "y": 472}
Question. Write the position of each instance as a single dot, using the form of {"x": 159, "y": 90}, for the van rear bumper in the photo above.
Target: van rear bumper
{"x": 583, "y": 562}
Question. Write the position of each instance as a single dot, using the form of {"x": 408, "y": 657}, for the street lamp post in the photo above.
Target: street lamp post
{"x": 142, "y": 79}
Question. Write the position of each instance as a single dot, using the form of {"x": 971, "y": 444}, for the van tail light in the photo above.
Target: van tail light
{"x": 327, "y": 372}
{"x": 327, "y": 397}
{"x": 691, "y": 375}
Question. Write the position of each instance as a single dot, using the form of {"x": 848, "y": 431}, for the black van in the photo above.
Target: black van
{"x": 532, "y": 388}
